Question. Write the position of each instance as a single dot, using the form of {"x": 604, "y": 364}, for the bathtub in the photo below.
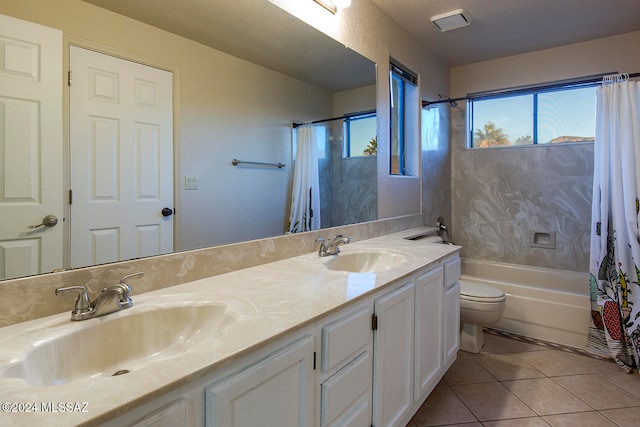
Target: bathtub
{"x": 551, "y": 305}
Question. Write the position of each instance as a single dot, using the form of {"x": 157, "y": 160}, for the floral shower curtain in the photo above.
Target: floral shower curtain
{"x": 615, "y": 248}
{"x": 305, "y": 196}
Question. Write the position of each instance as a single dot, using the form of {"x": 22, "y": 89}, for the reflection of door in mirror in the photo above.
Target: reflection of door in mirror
{"x": 30, "y": 148}
{"x": 121, "y": 142}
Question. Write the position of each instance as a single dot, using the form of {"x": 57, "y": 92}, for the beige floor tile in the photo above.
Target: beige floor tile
{"x": 507, "y": 367}
{"x": 625, "y": 417}
{"x": 518, "y": 422}
{"x": 546, "y": 397}
{"x": 465, "y": 425}
{"x": 628, "y": 382}
{"x": 515, "y": 346}
{"x": 597, "y": 391}
{"x": 491, "y": 401}
{"x": 493, "y": 345}
{"x": 442, "y": 407}
{"x": 581, "y": 419}
{"x": 561, "y": 387}
{"x": 595, "y": 365}
{"x": 553, "y": 363}
{"x": 465, "y": 370}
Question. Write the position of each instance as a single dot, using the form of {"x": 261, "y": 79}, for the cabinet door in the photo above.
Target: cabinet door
{"x": 393, "y": 356}
{"x": 428, "y": 335}
{"x": 451, "y": 315}
{"x": 346, "y": 395}
{"x": 275, "y": 392}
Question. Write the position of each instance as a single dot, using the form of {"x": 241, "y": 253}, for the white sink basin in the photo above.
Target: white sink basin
{"x": 366, "y": 262}
{"x": 118, "y": 343}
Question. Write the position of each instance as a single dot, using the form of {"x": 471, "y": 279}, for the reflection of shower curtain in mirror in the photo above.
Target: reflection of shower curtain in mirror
{"x": 615, "y": 249}
{"x": 305, "y": 196}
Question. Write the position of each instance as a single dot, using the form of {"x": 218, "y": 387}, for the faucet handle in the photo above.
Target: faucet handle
{"x": 129, "y": 276}
{"x": 323, "y": 247}
{"x": 83, "y": 305}
{"x": 123, "y": 288}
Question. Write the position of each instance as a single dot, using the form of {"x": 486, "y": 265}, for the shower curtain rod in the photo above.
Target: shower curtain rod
{"x": 586, "y": 81}
{"x": 346, "y": 116}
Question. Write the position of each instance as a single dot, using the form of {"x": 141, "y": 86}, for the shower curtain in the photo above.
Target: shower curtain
{"x": 615, "y": 249}
{"x": 305, "y": 195}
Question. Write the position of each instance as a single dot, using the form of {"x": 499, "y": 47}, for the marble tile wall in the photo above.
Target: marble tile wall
{"x": 348, "y": 186}
{"x": 33, "y": 297}
{"x": 354, "y": 190}
{"x": 502, "y": 195}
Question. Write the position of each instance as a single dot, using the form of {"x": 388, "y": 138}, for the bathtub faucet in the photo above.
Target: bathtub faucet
{"x": 442, "y": 228}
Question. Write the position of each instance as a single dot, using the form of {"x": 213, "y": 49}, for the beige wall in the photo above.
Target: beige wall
{"x": 502, "y": 195}
{"x": 609, "y": 54}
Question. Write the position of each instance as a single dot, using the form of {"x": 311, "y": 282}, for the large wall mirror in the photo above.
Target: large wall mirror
{"x": 243, "y": 73}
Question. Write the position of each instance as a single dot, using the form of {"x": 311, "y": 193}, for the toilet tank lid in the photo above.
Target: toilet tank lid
{"x": 479, "y": 290}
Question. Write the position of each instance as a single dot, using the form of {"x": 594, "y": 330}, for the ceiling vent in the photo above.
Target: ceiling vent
{"x": 451, "y": 20}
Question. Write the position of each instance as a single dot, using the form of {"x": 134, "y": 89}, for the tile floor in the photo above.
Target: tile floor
{"x": 513, "y": 383}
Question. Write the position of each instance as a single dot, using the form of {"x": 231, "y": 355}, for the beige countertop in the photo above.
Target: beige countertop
{"x": 267, "y": 302}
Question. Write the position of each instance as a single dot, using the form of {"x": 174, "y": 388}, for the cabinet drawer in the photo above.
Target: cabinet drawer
{"x": 451, "y": 272}
{"x": 344, "y": 337}
{"x": 346, "y": 395}
{"x": 173, "y": 415}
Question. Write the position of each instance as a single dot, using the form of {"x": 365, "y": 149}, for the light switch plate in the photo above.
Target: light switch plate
{"x": 190, "y": 183}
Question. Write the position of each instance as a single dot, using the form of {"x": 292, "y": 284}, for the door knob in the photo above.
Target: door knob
{"x": 167, "y": 212}
{"x": 47, "y": 221}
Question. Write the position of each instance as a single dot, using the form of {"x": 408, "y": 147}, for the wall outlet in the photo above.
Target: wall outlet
{"x": 190, "y": 183}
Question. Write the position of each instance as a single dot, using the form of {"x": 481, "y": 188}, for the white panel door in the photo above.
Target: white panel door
{"x": 121, "y": 139}
{"x": 30, "y": 147}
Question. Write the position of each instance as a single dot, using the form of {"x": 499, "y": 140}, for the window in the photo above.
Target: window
{"x": 404, "y": 119}
{"x": 360, "y": 137}
{"x": 547, "y": 115}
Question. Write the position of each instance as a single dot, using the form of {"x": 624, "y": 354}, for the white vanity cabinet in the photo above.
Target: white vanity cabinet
{"x": 393, "y": 356}
{"x": 429, "y": 324}
{"x": 345, "y": 368}
{"x": 451, "y": 313}
{"x": 415, "y": 342}
{"x": 275, "y": 392}
{"x": 173, "y": 415}
{"x": 372, "y": 362}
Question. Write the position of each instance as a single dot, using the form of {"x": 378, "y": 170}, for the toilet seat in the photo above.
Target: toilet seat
{"x": 478, "y": 292}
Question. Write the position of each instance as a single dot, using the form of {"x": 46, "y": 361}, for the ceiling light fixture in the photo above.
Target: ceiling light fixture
{"x": 333, "y": 5}
{"x": 451, "y": 20}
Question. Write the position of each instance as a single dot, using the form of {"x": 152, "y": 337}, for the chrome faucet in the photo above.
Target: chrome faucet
{"x": 331, "y": 247}
{"x": 442, "y": 228}
{"x": 111, "y": 299}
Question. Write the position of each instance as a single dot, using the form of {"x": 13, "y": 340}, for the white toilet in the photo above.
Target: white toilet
{"x": 480, "y": 305}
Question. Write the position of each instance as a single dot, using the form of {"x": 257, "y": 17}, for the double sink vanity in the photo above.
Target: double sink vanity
{"x": 355, "y": 339}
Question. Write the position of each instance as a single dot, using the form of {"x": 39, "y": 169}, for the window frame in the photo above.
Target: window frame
{"x": 352, "y": 117}
{"x": 403, "y": 76}
{"x": 535, "y": 91}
